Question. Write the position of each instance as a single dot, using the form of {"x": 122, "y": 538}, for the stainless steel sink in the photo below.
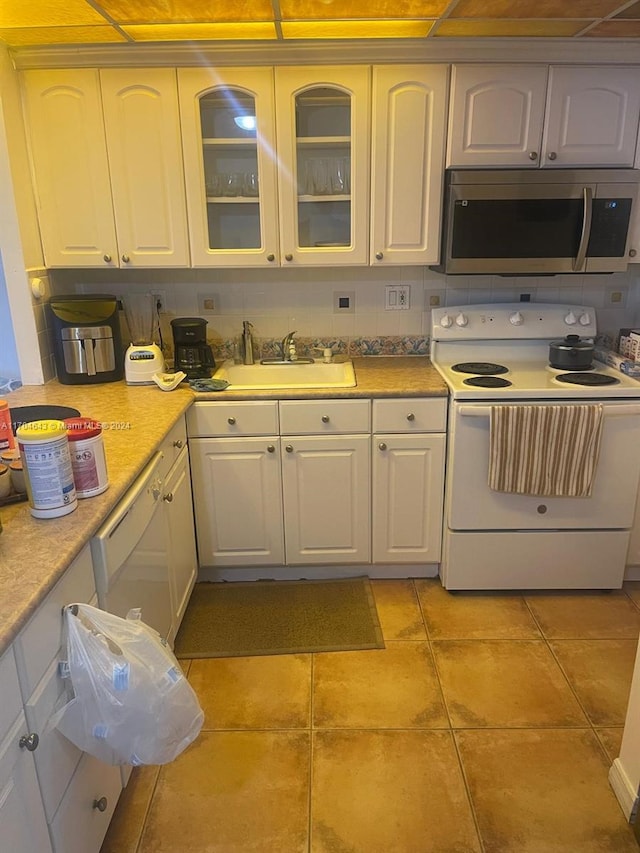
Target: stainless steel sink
{"x": 289, "y": 374}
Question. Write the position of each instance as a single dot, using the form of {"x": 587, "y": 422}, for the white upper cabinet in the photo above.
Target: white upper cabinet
{"x": 323, "y": 164}
{"x": 109, "y": 186}
{"x": 530, "y": 116}
{"x": 228, "y": 133}
{"x": 408, "y": 144}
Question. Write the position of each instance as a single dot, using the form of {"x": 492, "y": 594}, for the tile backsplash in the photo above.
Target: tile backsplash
{"x": 277, "y": 301}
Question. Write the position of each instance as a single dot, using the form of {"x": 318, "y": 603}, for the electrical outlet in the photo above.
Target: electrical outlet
{"x": 397, "y": 297}
{"x": 160, "y": 303}
{"x": 207, "y": 303}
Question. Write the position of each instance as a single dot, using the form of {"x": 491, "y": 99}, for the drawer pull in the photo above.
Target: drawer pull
{"x": 168, "y": 497}
{"x": 125, "y": 259}
{"x": 106, "y": 259}
{"x": 411, "y": 416}
{"x": 382, "y": 445}
{"x": 231, "y": 421}
{"x": 29, "y": 742}
{"x": 271, "y": 448}
{"x": 289, "y": 448}
{"x": 179, "y": 443}
{"x": 101, "y": 804}
{"x": 325, "y": 419}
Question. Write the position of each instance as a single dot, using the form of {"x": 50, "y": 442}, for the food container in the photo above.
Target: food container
{"x": 7, "y": 440}
{"x": 18, "y": 482}
{"x": 5, "y": 481}
{"x": 44, "y": 449}
{"x": 87, "y": 456}
{"x": 571, "y": 353}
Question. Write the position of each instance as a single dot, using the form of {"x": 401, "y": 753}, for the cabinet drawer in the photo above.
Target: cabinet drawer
{"x": 11, "y": 704}
{"x": 410, "y": 414}
{"x": 38, "y": 643}
{"x": 172, "y": 445}
{"x": 233, "y": 419}
{"x": 79, "y": 825}
{"x": 317, "y": 417}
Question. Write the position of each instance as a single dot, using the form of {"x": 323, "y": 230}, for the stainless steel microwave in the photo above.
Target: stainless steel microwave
{"x": 526, "y": 222}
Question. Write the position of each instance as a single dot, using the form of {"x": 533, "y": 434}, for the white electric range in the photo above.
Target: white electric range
{"x": 496, "y": 355}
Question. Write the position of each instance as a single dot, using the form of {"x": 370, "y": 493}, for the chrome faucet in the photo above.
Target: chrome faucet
{"x": 289, "y": 348}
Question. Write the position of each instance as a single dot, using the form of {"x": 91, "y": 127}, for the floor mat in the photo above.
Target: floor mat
{"x": 279, "y": 617}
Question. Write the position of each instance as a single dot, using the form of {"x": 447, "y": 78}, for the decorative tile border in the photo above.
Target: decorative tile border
{"x": 313, "y": 347}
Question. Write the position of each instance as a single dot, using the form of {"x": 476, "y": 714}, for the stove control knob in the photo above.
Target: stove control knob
{"x": 446, "y": 321}
{"x": 461, "y": 319}
{"x": 516, "y": 319}
{"x": 585, "y": 319}
{"x": 570, "y": 319}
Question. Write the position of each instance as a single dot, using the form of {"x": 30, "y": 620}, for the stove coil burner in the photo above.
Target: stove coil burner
{"x": 487, "y": 382}
{"x": 484, "y": 368}
{"x": 587, "y": 379}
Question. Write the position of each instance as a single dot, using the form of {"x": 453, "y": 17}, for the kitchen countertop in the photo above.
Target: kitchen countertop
{"x": 34, "y": 553}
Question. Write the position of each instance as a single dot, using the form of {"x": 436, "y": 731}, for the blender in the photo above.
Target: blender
{"x": 143, "y": 357}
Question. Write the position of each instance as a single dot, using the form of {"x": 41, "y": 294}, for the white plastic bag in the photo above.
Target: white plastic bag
{"x": 131, "y": 703}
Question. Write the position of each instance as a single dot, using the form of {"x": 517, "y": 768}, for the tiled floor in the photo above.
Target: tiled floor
{"x": 487, "y": 725}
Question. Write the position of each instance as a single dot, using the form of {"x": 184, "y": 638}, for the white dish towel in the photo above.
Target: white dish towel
{"x": 545, "y": 450}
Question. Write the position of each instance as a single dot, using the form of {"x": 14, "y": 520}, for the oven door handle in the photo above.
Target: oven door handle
{"x": 609, "y": 411}
{"x": 587, "y": 195}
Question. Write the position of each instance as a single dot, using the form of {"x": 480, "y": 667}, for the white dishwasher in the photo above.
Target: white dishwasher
{"x": 130, "y": 553}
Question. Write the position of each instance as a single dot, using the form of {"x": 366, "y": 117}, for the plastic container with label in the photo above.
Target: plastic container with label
{"x": 44, "y": 449}
{"x": 87, "y": 456}
{"x": 7, "y": 440}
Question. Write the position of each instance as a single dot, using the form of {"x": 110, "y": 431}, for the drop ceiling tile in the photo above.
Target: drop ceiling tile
{"x": 615, "y": 29}
{"x": 355, "y": 29}
{"x": 186, "y": 11}
{"x": 494, "y": 29}
{"x": 47, "y": 13}
{"x": 534, "y": 8}
{"x": 19, "y": 37}
{"x": 318, "y": 10}
{"x": 201, "y": 32}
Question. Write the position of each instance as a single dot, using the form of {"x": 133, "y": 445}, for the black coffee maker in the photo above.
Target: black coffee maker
{"x": 192, "y": 353}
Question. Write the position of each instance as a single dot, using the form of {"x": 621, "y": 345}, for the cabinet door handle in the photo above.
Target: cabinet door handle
{"x": 231, "y": 421}
{"x": 411, "y": 416}
{"x": 168, "y": 497}
{"x": 382, "y": 446}
{"x": 288, "y": 257}
{"x": 126, "y": 259}
{"x": 29, "y": 742}
{"x": 179, "y": 443}
{"x": 379, "y": 256}
{"x": 106, "y": 259}
{"x": 552, "y": 155}
{"x": 325, "y": 419}
{"x": 289, "y": 448}
{"x": 533, "y": 155}
{"x": 101, "y": 804}
{"x": 271, "y": 257}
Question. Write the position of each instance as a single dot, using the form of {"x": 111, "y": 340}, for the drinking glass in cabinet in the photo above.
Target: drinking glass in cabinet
{"x": 250, "y": 184}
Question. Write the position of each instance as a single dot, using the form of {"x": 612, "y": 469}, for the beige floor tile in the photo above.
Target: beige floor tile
{"x": 128, "y": 819}
{"x": 233, "y": 792}
{"x": 474, "y": 615}
{"x": 543, "y": 791}
{"x": 632, "y": 589}
{"x": 396, "y": 687}
{"x": 600, "y": 672}
{"x": 586, "y": 615}
{"x": 505, "y": 683}
{"x": 261, "y": 692}
{"x": 389, "y": 792}
{"x": 611, "y": 740}
{"x": 398, "y": 610}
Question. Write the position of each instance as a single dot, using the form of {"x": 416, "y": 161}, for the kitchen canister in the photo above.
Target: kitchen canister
{"x": 88, "y": 462}
{"x": 7, "y": 441}
{"x": 44, "y": 449}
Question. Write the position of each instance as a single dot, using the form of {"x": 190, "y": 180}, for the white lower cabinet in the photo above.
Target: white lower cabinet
{"x": 297, "y": 482}
{"x": 178, "y": 514}
{"x": 23, "y": 826}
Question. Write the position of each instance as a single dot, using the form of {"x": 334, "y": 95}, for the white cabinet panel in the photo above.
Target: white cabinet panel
{"x": 183, "y": 559}
{"x": 408, "y": 143}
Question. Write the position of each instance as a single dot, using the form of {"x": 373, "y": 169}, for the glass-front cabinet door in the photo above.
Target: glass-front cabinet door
{"x": 323, "y": 177}
{"x": 230, "y": 165}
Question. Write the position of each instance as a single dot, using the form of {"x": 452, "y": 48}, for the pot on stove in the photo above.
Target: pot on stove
{"x": 571, "y": 353}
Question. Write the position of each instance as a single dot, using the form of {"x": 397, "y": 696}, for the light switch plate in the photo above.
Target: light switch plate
{"x": 397, "y": 297}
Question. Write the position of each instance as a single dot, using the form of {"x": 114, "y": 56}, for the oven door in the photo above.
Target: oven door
{"x": 472, "y": 505}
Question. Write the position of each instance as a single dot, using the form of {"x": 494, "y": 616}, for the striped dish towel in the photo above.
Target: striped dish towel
{"x": 545, "y": 449}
